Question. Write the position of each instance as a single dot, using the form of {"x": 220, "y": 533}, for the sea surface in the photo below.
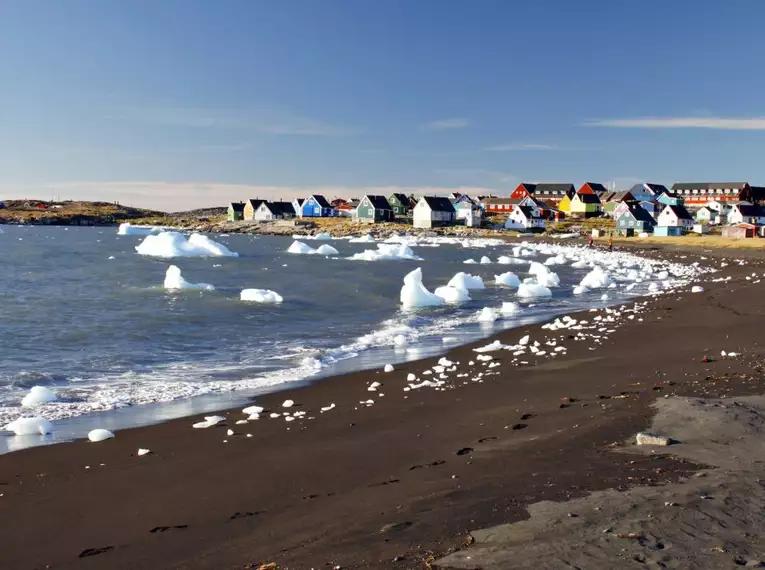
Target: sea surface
{"x": 83, "y": 314}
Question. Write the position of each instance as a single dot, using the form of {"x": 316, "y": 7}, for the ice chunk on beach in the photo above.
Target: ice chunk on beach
{"x": 175, "y": 282}
{"x": 596, "y": 279}
{"x": 533, "y": 291}
{"x": 414, "y": 294}
{"x": 326, "y": 250}
{"x": 697, "y": 289}
{"x": 37, "y": 396}
{"x": 260, "y": 296}
{"x": 386, "y": 251}
{"x": 209, "y": 422}
{"x": 251, "y": 410}
{"x": 466, "y": 281}
{"x": 30, "y": 426}
{"x": 127, "y": 229}
{"x": 363, "y": 239}
{"x": 96, "y": 435}
{"x": 175, "y": 244}
{"x": 452, "y": 294}
{"x": 388, "y": 368}
{"x": 580, "y": 290}
{"x": 141, "y": 452}
{"x": 485, "y": 260}
{"x": 508, "y": 278}
{"x": 544, "y": 276}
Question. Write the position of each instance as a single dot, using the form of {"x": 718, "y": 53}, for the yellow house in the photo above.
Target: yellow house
{"x": 585, "y": 205}
{"x": 565, "y": 204}
{"x": 251, "y": 207}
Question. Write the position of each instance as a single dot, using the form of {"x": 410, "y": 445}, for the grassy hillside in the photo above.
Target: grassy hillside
{"x": 70, "y": 212}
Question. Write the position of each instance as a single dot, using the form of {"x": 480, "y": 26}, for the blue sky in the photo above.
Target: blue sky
{"x": 183, "y": 103}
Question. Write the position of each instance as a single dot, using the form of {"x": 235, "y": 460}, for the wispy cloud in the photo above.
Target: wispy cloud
{"x": 452, "y": 123}
{"x": 483, "y": 173}
{"x": 181, "y": 196}
{"x": 720, "y": 123}
{"x": 512, "y": 147}
{"x": 266, "y": 119}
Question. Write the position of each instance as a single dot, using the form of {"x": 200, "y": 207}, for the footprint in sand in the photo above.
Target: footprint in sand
{"x": 245, "y": 515}
{"x": 388, "y": 482}
{"x": 94, "y": 551}
{"x": 464, "y": 451}
{"x": 527, "y": 416}
{"x": 166, "y": 528}
{"x": 485, "y": 439}
{"x": 520, "y": 426}
{"x": 432, "y": 464}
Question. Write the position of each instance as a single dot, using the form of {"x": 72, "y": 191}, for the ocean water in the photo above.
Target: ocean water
{"x": 105, "y": 335}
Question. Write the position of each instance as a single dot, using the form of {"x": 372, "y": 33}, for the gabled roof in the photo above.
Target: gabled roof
{"x": 708, "y": 185}
{"x": 595, "y": 186}
{"x": 299, "y": 201}
{"x": 403, "y": 198}
{"x": 750, "y": 210}
{"x": 256, "y": 202}
{"x": 621, "y": 196}
{"x": 237, "y": 206}
{"x": 527, "y": 186}
{"x": 680, "y": 212}
{"x": 439, "y": 203}
{"x": 378, "y": 202}
{"x": 554, "y": 188}
{"x": 588, "y": 198}
{"x": 321, "y": 200}
{"x": 639, "y": 213}
{"x": 527, "y": 211}
{"x": 280, "y": 208}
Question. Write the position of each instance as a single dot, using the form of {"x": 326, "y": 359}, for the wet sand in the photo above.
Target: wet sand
{"x": 393, "y": 485}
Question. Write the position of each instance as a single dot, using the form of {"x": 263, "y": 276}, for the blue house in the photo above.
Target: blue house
{"x": 315, "y": 206}
{"x": 668, "y": 200}
{"x": 633, "y": 219}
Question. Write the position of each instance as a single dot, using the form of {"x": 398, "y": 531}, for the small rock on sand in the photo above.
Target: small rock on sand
{"x": 644, "y": 438}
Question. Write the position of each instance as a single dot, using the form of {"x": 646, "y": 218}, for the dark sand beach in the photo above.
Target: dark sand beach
{"x": 398, "y": 484}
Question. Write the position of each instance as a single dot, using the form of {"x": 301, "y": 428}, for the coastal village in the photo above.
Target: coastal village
{"x": 734, "y": 209}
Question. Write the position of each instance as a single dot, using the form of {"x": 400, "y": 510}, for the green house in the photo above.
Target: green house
{"x": 634, "y": 218}
{"x": 235, "y": 211}
{"x": 373, "y": 209}
{"x": 401, "y": 204}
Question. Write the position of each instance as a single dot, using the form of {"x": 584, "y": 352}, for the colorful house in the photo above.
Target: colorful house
{"x": 250, "y": 207}
{"x": 432, "y": 211}
{"x": 268, "y": 211}
{"x": 611, "y": 200}
{"x": 647, "y": 192}
{"x": 634, "y": 219}
{"x": 235, "y": 211}
{"x": 373, "y": 209}
{"x": 554, "y": 194}
{"x": 523, "y": 190}
{"x": 669, "y": 200}
{"x": 586, "y": 205}
{"x": 565, "y": 205}
{"x": 707, "y": 215}
{"x": 592, "y": 188}
{"x": 746, "y": 213}
{"x": 348, "y": 209}
{"x": 501, "y": 205}
{"x": 524, "y": 218}
{"x": 315, "y": 206}
{"x": 702, "y": 192}
{"x": 675, "y": 216}
{"x": 401, "y": 204}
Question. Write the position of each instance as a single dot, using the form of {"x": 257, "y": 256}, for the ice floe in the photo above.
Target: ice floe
{"x": 533, "y": 290}
{"x": 175, "y": 282}
{"x": 30, "y": 426}
{"x": 175, "y": 244}
{"x": 37, "y": 396}
{"x": 96, "y": 435}
{"x": 386, "y": 251}
{"x": 452, "y": 294}
{"x": 304, "y": 249}
{"x": 414, "y": 294}
{"x": 466, "y": 281}
{"x": 127, "y": 229}
{"x": 260, "y": 296}
{"x": 508, "y": 278}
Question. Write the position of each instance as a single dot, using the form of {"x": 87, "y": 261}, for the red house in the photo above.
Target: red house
{"x": 592, "y": 188}
{"x": 523, "y": 190}
{"x": 552, "y": 194}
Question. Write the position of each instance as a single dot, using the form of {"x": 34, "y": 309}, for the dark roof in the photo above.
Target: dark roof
{"x": 529, "y": 187}
{"x": 621, "y": 196}
{"x": 281, "y": 208}
{"x": 680, "y": 212}
{"x": 553, "y": 188}
{"x": 256, "y": 202}
{"x": 403, "y": 198}
{"x": 378, "y": 202}
{"x": 300, "y": 201}
{"x": 589, "y": 198}
{"x": 751, "y": 210}
{"x": 640, "y": 213}
{"x": 321, "y": 200}
{"x": 438, "y": 203}
{"x": 237, "y": 206}
{"x": 596, "y": 187}
{"x": 528, "y": 211}
{"x": 657, "y": 188}
{"x": 708, "y": 185}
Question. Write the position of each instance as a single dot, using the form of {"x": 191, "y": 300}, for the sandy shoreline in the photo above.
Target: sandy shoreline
{"x": 360, "y": 488}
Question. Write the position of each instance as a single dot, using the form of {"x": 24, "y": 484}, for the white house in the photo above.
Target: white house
{"x": 268, "y": 211}
{"x": 524, "y": 218}
{"x": 719, "y": 206}
{"x": 675, "y": 217}
{"x": 706, "y": 215}
{"x": 432, "y": 211}
{"x": 468, "y": 211}
{"x": 746, "y": 214}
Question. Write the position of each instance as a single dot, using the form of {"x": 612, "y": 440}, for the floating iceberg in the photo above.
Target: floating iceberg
{"x": 533, "y": 290}
{"x": 466, "y": 281}
{"x": 260, "y": 296}
{"x": 174, "y": 244}
{"x": 452, "y": 294}
{"x": 543, "y": 275}
{"x": 175, "y": 282}
{"x": 326, "y": 250}
{"x": 305, "y": 249}
{"x": 487, "y": 315}
{"x": 127, "y": 229}
{"x": 506, "y": 260}
{"x": 596, "y": 279}
{"x": 486, "y": 260}
{"x": 386, "y": 251}
{"x": 509, "y": 308}
{"x": 580, "y": 290}
{"x": 414, "y": 294}
{"x": 509, "y": 278}
{"x": 363, "y": 239}
{"x": 30, "y": 426}
{"x": 37, "y": 396}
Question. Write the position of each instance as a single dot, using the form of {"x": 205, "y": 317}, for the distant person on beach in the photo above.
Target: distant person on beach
{"x": 589, "y": 243}
{"x": 610, "y": 243}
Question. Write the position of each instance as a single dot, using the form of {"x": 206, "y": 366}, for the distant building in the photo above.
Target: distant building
{"x": 524, "y": 218}
{"x": 235, "y": 211}
{"x": 647, "y": 192}
{"x": 585, "y": 204}
{"x": 402, "y": 204}
{"x": 373, "y": 209}
{"x": 315, "y": 206}
{"x": 250, "y": 207}
{"x": 675, "y": 216}
{"x": 432, "y": 211}
{"x": 634, "y": 219}
{"x": 268, "y": 211}
{"x": 741, "y": 231}
{"x": 746, "y": 213}
{"x": 698, "y": 193}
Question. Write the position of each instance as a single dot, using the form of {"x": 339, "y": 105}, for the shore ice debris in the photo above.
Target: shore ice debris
{"x": 209, "y": 422}
{"x": 414, "y": 294}
{"x": 96, "y": 435}
{"x": 533, "y": 290}
{"x": 644, "y": 438}
{"x": 452, "y": 294}
{"x": 388, "y": 368}
{"x": 37, "y": 396}
{"x": 174, "y": 281}
{"x": 697, "y": 289}
{"x": 174, "y": 244}
{"x": 386, "y": 251}
{"x": 464, "y": 280}
{"x": 141, "y": 452}
{"x": 487, "y": 315}
{"x": 260, "y": 296}
{"x": 508, "y": 278}
{"x": 30, "y": 426}
{"x": 299, "y": 247}
{"x": 288, "y": 403}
